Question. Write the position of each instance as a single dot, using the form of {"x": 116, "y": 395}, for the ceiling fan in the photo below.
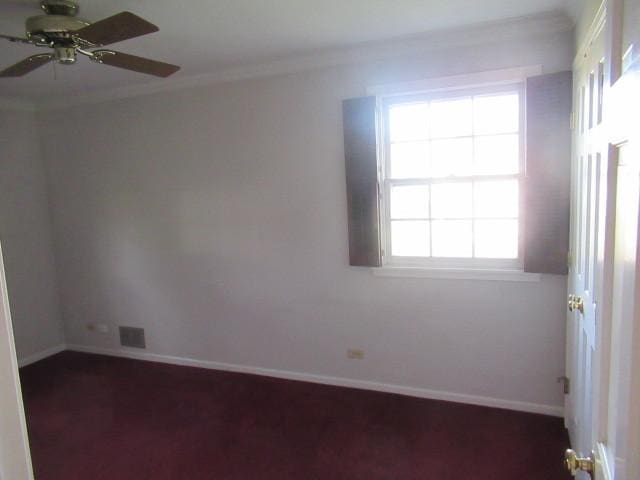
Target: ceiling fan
{"x": 67, "y": 35}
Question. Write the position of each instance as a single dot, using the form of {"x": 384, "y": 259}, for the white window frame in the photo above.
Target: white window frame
{"x": 456, "y": 265}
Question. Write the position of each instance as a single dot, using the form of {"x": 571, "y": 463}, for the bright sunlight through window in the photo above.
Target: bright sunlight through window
{"x": 452, "y": 178}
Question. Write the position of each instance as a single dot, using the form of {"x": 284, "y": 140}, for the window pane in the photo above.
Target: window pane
{"x": 409, "y": 160}
{"x": 497, "y": 155}
{"x": 410, "y": 238}
{"x": 451, "y": 238}
{"x": 452, "y": 118}
{"x": 496, "y": 114}
{"x": 410, "y": 202}
{"x": 451, "y": 157}
{"x": 496, "y": 239}
{"x": 496, "y": 199}
{"x": 451, "y": 200}
{"x": 408, "y": 122}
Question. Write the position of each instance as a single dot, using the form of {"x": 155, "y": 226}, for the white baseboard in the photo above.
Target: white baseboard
{"x": 553, "y": 410}
{"x": 36, "y": 357}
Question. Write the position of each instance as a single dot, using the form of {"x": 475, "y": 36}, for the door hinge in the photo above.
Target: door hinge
{"x": 566, "y": 384}
{"x": 572, "y": 121}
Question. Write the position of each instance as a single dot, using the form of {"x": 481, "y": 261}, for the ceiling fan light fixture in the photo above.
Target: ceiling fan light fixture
{"x": 65, "y": 55}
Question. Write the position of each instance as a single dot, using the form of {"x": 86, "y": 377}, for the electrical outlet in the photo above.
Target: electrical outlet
{"x": 355, "y": 354}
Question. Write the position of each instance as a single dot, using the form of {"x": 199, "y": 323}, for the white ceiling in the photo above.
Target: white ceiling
{"x": 206, "y": 36}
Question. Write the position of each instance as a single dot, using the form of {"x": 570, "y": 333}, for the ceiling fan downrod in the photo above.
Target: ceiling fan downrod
{"x": 65, "y": 8}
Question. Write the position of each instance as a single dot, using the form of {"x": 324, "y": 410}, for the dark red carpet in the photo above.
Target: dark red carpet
{"x": 99, "y": 418}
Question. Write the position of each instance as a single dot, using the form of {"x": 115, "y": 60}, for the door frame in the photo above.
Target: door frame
{"x": 15, "y": 456}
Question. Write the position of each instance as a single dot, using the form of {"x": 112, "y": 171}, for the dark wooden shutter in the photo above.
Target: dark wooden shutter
{"x": 360, "y": 152}
{"x": 548, "y": 173}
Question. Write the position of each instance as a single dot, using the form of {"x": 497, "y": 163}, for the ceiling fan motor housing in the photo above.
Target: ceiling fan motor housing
{"x": 58, "y": 24}
{"x": 54, "y": 25}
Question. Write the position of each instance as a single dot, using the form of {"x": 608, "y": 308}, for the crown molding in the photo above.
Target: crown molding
{"x": 17, "y": 105}
{"x": 485, "y": 33}
{"x": 468, "y": 80}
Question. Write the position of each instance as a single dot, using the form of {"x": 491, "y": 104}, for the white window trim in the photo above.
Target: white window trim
{"x": 500, "y": 275}
{"x": 464, "y": 269}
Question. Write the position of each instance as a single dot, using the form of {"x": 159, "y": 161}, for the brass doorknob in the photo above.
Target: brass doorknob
{"x": 576, "y": 303}
{"x": 575, "y": 464}
{"x": 571, "y": 302}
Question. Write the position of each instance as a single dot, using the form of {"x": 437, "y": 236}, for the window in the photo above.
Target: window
{"x": 452, "y": 170}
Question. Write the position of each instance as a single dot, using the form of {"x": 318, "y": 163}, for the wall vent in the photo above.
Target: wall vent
{"x": 132, "y": 337}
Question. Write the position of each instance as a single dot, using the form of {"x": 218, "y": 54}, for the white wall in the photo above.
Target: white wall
{"x": 216, "y": 219}
{"x": 25, "y": 233}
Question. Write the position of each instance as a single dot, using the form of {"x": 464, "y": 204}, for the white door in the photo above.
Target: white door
{"x": 590, "y": 158}
{"x": 604, "y": 303}
{"x": 15, "y": 460}
{"x": 617, "y": 447}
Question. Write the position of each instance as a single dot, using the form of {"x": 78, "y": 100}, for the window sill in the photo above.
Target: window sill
{"x": 457, "y": 274}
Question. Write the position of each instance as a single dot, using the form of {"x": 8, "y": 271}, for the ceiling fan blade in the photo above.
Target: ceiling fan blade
{"x": 16, "y": 39}
{"x": 119, "y": 27}
{"x": 137, "y": 64}
{"x": 27, "y": 65}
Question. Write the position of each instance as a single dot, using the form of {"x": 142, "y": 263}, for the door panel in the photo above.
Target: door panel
{"x": 623, "y": 315}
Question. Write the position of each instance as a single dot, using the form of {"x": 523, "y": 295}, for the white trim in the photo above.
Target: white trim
{"x": 603, "y": 469}
{"x": 36, "y": 357}
{"x": 15, "y": 455}
{"x": 628, "y": 59}
{"x": 412, "y": 46}
{"x": 457, "y": 274}
{"x": 516, "y": 405}
{"x": 468, "y": 80}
